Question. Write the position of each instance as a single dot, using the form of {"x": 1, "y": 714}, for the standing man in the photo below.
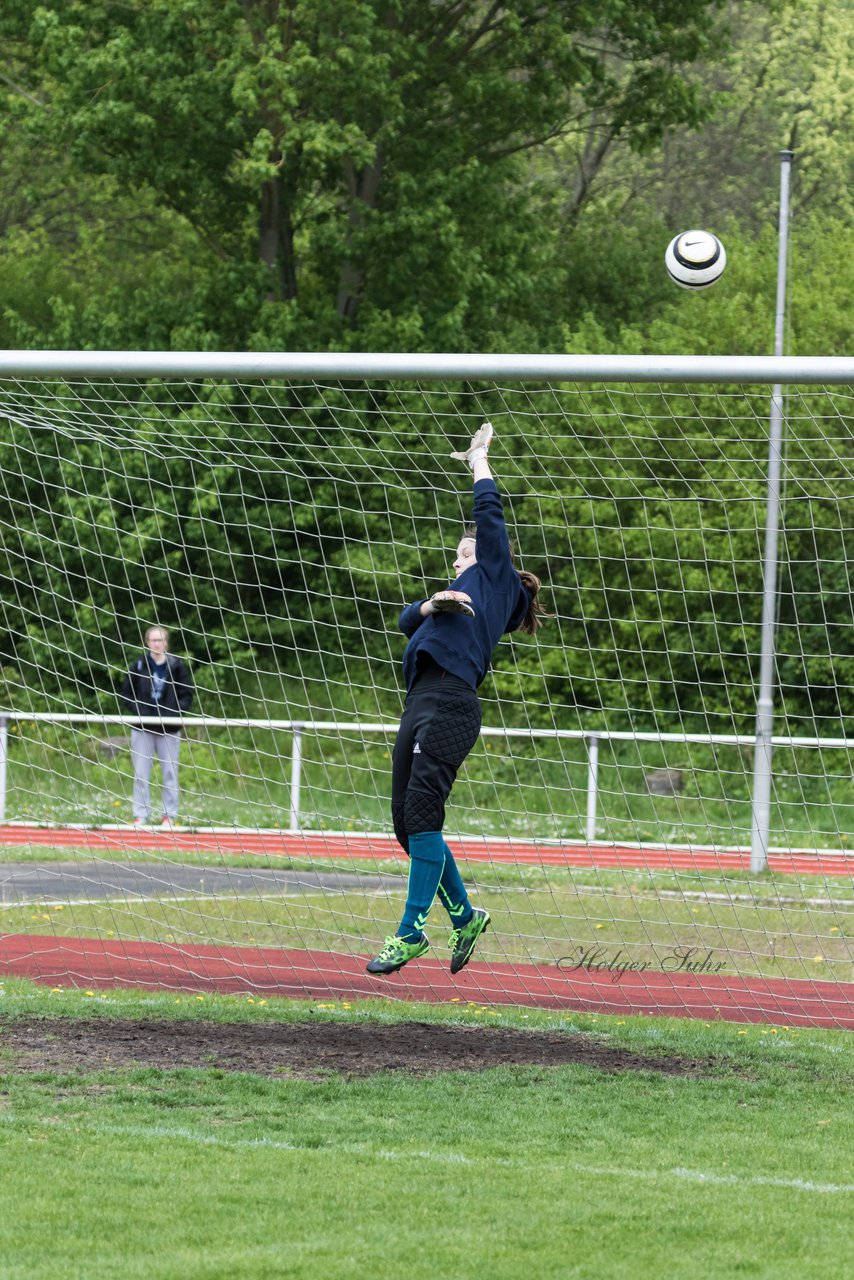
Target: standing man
{"x": 157, "y": 684}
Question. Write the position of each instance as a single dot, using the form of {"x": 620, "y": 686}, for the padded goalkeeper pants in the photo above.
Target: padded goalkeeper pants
{"x": 440, "y": 725}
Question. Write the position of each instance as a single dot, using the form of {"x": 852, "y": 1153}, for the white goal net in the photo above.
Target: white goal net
{"x": 276, "y": 526}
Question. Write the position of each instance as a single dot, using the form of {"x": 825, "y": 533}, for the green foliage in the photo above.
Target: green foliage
{"x": 279, "y": 536}
{"x": 349, "y": 173}
{"x": 359, "y": 175}
{"x": 783, "y": 79}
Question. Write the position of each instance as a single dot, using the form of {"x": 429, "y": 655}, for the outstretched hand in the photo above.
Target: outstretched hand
{"x": 479, "y": 447}
{"x": 451, "y": 602}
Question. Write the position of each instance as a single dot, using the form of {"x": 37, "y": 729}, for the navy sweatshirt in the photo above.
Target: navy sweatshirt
{"x": 462, "y": 645}
{"x": 137, "y": 692}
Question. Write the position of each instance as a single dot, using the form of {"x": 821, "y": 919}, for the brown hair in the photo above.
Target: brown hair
{"x": 155, "y": 627}
{"x": 533, "y": 619}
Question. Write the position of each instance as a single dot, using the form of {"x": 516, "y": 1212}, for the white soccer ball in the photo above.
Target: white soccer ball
{"x": 695, "y": 259}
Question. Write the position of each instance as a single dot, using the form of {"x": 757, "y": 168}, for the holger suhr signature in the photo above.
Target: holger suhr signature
{"x": 618, "y": 963}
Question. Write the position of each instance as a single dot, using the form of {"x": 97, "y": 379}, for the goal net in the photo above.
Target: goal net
{"x": 276, "y": 526}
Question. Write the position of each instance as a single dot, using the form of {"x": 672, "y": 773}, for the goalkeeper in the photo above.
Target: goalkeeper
{"x": 452, "y": 637}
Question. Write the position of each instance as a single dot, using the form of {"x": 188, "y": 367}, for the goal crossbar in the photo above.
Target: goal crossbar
{"x": 800, "y": 370}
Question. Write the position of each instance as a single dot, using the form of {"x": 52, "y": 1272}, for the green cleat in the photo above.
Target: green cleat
{"x": 396, "y": 953}
{"x": 463, "y": 940}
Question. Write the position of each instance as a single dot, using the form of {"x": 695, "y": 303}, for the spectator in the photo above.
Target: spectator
{"x": 157, "y": 684}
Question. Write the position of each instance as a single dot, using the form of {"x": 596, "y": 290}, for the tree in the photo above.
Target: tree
{"x": 351, "y": 167}
{"x": 785, "y": 81}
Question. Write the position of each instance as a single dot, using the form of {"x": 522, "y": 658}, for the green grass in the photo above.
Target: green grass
{"x": 242, "y": 777}
{"x": 742, "y": 1169}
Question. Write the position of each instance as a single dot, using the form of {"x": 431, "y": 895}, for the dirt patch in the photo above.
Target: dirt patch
{"x": 307, "y": 1050}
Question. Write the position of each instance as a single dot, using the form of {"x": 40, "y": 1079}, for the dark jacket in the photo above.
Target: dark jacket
{"x": 176, "y": 698}
{"x": 463, "y": 645}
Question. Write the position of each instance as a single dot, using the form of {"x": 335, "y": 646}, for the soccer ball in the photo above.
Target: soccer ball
{"x": 695, "y": 259}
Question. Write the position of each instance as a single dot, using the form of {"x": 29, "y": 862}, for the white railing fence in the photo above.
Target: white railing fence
{"x": 299, "y": 728}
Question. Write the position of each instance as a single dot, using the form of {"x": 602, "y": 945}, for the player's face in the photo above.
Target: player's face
{"x": 466, "y": 556}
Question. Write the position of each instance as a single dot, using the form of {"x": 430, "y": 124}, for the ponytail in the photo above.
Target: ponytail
{"x": 533, "y": 619}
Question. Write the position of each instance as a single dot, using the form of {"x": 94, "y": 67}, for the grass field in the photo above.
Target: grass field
{"x": 738, "y": 1165}
{"x": 741, "y": 1166}
{"x": 516, "y": 788}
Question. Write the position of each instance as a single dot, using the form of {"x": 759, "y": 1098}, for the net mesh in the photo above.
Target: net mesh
{"x": 277, "y": 528}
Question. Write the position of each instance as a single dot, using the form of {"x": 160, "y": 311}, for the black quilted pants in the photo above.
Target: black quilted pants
{"x": 439, "y": 727}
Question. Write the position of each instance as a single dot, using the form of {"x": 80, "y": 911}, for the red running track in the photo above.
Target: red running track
{"x": 312, "y": 974}
{"x": 309, "y": 974}
{"x": 113, "y": 841}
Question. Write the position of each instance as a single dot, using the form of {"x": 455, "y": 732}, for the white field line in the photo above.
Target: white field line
{"x": 197, "y": 1138}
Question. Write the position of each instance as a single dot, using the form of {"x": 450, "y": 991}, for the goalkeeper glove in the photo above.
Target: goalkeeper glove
{"x": 451, "y": 602}
{"x": 479, "y": 447}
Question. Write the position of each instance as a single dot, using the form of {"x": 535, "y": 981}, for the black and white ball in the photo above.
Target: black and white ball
{"x": 695, "y": 259}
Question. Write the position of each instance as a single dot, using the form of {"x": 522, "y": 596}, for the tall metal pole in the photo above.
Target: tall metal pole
{"x": 4, "y": 756}
{"x": 765, "y": 697}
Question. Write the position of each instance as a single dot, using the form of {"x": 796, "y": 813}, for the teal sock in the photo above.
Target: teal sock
{"x": 426, "y": 862}
{"x": 452, "y": 892}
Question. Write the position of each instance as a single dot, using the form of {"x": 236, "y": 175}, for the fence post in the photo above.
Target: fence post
{"x": 296, "y": 771}
{"x": 4, "y": 757}
{"x": 592, "y": 785}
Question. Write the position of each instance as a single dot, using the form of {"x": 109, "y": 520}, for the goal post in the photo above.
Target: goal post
{"x": 275, "y": 512}
{"x": 414, "y": 367}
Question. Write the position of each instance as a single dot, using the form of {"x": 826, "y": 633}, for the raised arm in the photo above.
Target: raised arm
{"x": 492, "y": 540}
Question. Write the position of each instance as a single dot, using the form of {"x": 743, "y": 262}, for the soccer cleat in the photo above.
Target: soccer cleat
{"x": 141, "y": 822}
{"x": 166, "y": 823}
{"x": 463, "y": 940}
{"x": 397, "y": 952}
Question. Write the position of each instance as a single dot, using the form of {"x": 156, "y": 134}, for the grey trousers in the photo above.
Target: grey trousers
{"x": 144, "y": 746}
